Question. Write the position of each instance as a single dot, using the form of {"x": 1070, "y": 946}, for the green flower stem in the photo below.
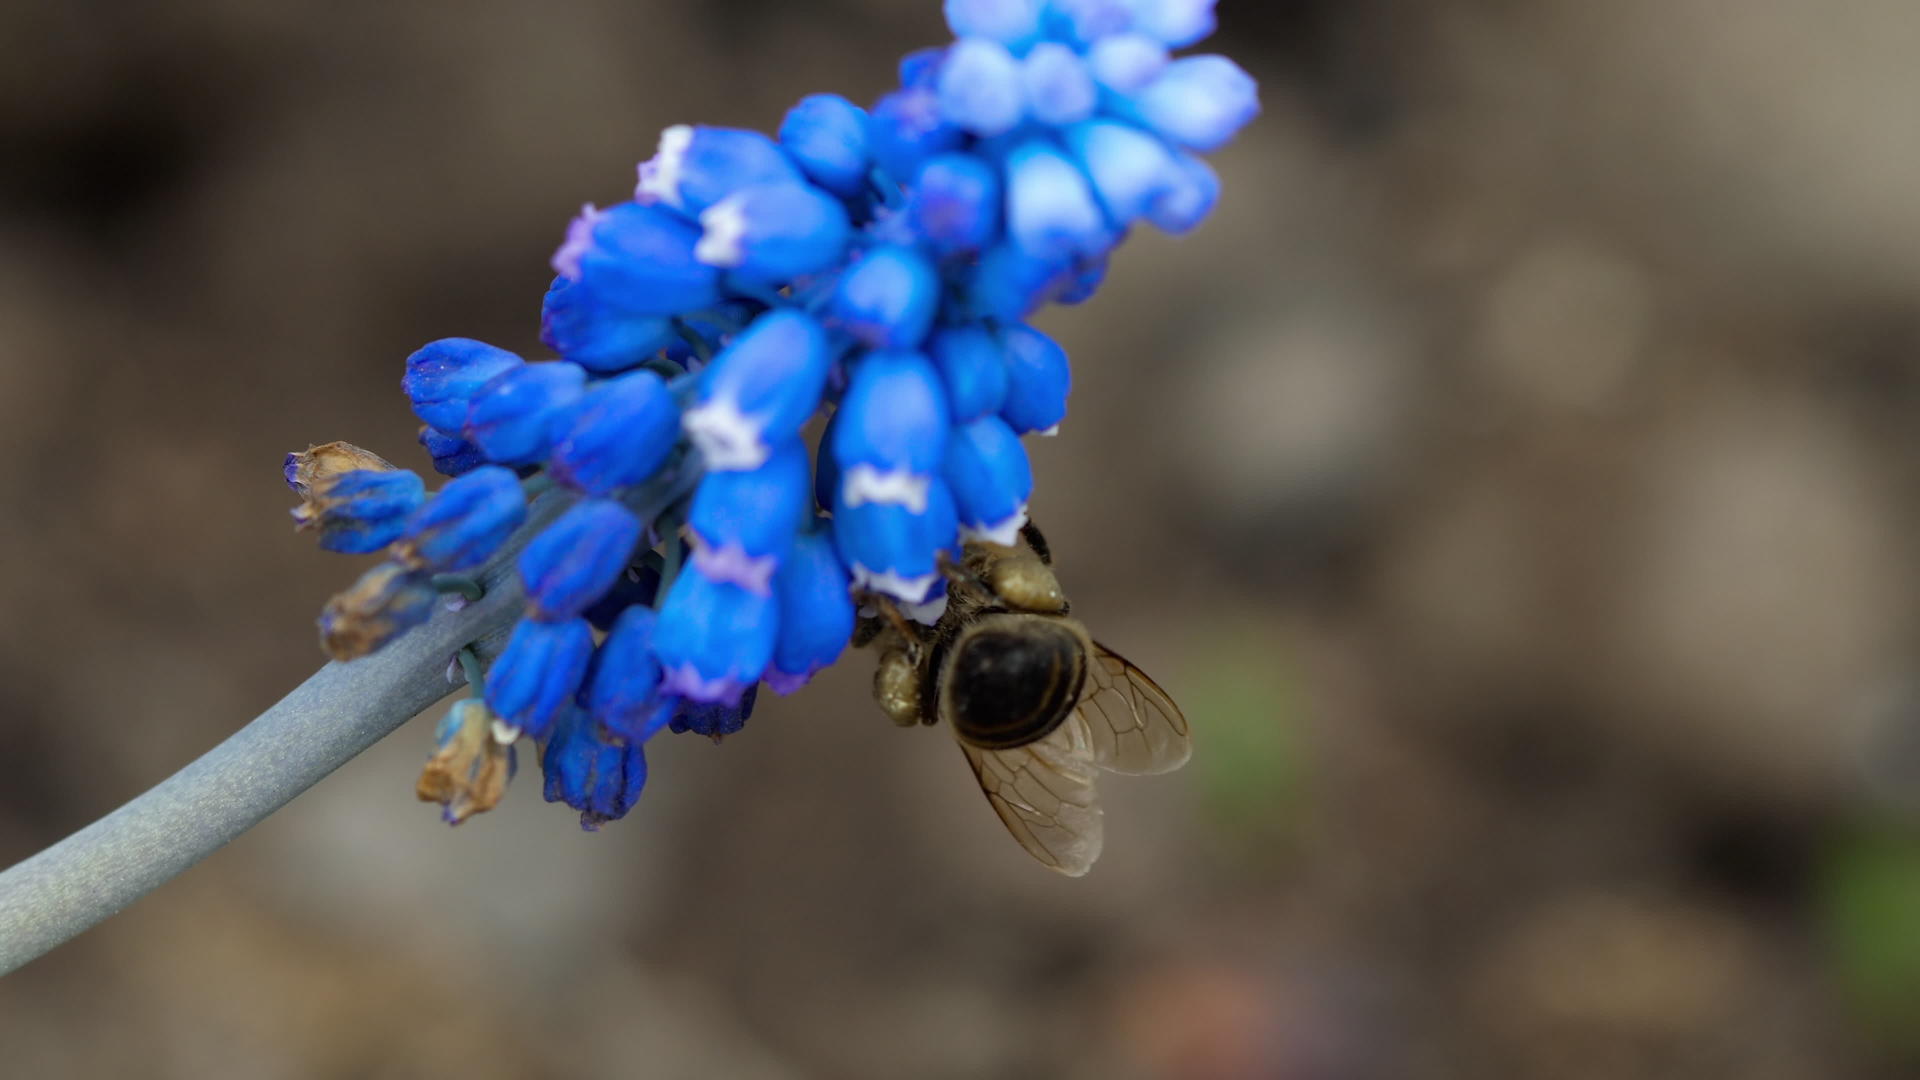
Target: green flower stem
{"x": 342, "y": 710}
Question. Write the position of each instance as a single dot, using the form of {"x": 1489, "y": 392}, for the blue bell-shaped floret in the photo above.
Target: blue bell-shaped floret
{"x": 714, "y": 639}
{"x": 1038, "y": 380}
{"x": 991, "y": 480}
{"x": 1013, "y": 23}
{"x": 890, "y": 433}
{"x": 618, "y": 435}
{"x": 906, "y": 128}
{"x": 980, "y": 88}
{"x": 759, "y": 390}
{"x": 954, "y": 204}
{"x": 696, "y": 167}
{"x": 638, "y": 259}
{"x": 887, "y": 299}
{"x": 517, "y": 416}
{"x": 1052, "y": 214}
{"x": 816, "y": 611}
{"x": 536, "y": 676}
{"x": 443, "y": 376}
{"x": 826, "y": 135}
{"x": 465, "y": 522}
{"x": 1199, "y": 102}
{"x": 772, "y": 233}
{"x": 623, "y": 683}
{"x": 894, "y": 551}
{"x": 972, "y": 369}
{"x": 1126, "y": 63}
{"x": 601, "y": 779}
{"x": 743, "y": 522}
{"x": 1188, "y": 202}
{"x": 1058, "y": 88}
{"x": 575, "y": 560}
{"x": 601, "y": 336}
{"x": 452, "y": 455}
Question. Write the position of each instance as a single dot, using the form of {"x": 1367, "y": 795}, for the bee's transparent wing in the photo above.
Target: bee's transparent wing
{"x": 1132, "y": 726}
{"x": 1044, "y": 793}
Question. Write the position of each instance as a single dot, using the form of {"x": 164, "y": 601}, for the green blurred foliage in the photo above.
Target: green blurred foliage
{"x": 1242, "y": 696}
{"x": 1870, "y": 901}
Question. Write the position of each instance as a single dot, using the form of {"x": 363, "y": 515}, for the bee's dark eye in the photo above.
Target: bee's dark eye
{"x": 1010, "y": 687}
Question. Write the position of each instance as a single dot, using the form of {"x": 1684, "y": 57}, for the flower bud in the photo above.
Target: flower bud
{"x": 696, "y": 167}
{"x": 888, "y": 298}
{"x": 599, "y": 778}
{"x": 1199, "y": 102}
{"x": 826, "y": 135}
{"x": 387, "y": 601}
{"x": 743, "y": 522}
{"x": 360, "y": 512}
{"x": 1013, "y": 23}
{"x": 575, "y": 560}
{"x": 759, "y": 390}
{"x": 991, "y": 480}
{"x": 469, "y": 769}
{"x": 1051, "y": 211}
{"x": 972, "y": 370}
{"x": 638, "y": 259}
{"x": 1058, "y": 88}
{"x": 774, "y": 232}
{"x": 714, "y": 639}
{"x": 714, "y": 719}
{"x": 619, "y": 434}
{"x": 816, "y": 611}
{"x": 892, "y": 550}
{"x": 1178, "y": 23}
{"x": 623, "y": 682}
{"x": 890, "y": 432}
{"x": 461, "y": 527}
{"x": 979, "y": 88}
{"x": 906, "y": 128}
{"x": 1126, "y": 63}
{"x": 1131, "y": 170}
{"x": 538, "y": 673}
{"x": 1188, "y": 202}
{"x": 443, "y": 376}
{"x": 357, "y": 500}
{"x": 955, "y": 203}
{"x": 452, "y": 455}
{"x": 1038, "y": 380}
{"x": 585, "y": 328}
{"x": 516, "y": 417}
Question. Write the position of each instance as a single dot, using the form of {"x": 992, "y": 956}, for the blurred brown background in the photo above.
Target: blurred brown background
{"x": 1514, "y": 481}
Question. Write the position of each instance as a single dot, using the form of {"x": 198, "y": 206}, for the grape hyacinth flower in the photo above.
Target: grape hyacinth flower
{"x": 677, "y": 540}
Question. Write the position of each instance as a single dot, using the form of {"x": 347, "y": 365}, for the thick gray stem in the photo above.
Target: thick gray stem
{"x": 320, "y": 726}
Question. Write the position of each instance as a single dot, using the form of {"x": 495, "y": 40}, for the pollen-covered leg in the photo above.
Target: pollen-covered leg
{"x": 896, "y": 687}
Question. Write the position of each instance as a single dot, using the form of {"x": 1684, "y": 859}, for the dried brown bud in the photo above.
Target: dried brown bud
{"x": 386, "y": 602}
{"x": 469, "y": 769}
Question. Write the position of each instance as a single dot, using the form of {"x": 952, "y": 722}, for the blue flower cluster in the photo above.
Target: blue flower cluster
{"x": 874, "y": 264}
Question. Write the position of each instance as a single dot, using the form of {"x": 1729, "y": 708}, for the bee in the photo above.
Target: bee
{"x": 1036, "y": 704}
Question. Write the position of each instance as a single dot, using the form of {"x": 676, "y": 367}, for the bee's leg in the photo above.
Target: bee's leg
{"x": 1037, "y": 542}
{"x": 959, "y": 574}
{"x": 867, "y": 630}
{"x": 896, "y": 687}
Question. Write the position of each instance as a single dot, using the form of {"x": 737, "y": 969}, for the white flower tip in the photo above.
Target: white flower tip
{"x": 889, "y": 487}
{"x": 504, "y": 733}
{"x": 728, "y": 439}
{"x": 1004, "y": 533}
{"x": 724, "y": 226}
{"x": 907, "y": 590}
{"x": 660, "y": 177}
